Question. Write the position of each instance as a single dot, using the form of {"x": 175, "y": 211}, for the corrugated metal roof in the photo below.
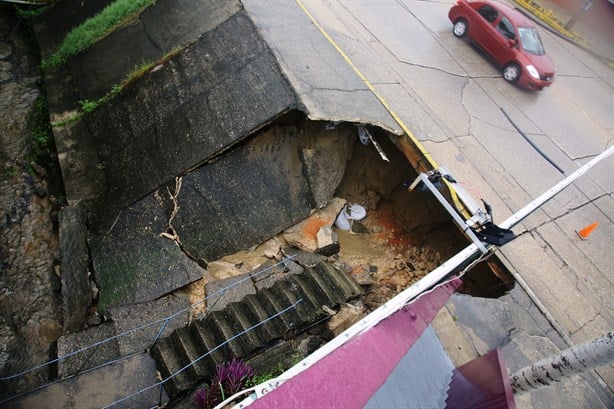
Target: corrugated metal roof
{"x": 349, "y": 376}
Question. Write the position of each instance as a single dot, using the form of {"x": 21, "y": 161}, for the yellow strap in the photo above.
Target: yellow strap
{"x": 387, "y": 106}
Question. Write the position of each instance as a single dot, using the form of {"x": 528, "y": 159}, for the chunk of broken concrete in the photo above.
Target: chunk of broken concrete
{"x": 129, "y": 317}
{"x": 76, "y": 294}
{"x": 304, "y": 234}
{"x": 133, "y": 263}
{"x": 304, "y": 258}
{"x": 220, "y": 293}
{"x": 348, "y": 314}
{"x": 327, "y": 241}
{"x": 90, "y": 358}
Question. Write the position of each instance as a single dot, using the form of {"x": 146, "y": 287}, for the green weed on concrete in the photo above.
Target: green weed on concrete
{"x": 95, "y": 29}
{"x": 42, "y": 137}
{"x": 136, "y": 73}
{"x": 29, "y": 13}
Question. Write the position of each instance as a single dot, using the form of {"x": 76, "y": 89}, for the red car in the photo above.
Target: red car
{"x": 509, "y": 37}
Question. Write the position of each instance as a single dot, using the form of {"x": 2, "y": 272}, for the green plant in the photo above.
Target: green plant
{"x": 89, "y": 106}
{"x": 42, "y": 137}
{"x": 69, "y": 120}
{"x": 96, "y": 28}
{"x": 266, "y": 376}
{"x": 29, "y": 13}
{"x": 229, "y": 379}
{"x": 137, "y": 72}
{"x": 9, "y": 172}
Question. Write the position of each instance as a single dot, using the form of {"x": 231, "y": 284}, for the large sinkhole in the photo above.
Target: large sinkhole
{"x": 259, "y": 187}
{"x": 403, "y": 236}
{"x": 406, "y": 233}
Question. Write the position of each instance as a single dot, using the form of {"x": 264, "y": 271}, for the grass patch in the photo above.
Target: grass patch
{"x": 137, "y": 72}
{"x": 95, "y": 29}
{"x": 266, "y": 376}
{"x": 42, "y": 136}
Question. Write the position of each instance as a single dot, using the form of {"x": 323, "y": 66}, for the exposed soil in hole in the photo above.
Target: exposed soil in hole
{"x": 405, "y": 234}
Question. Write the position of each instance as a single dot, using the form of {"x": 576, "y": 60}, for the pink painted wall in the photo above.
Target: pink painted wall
{"x": 349, "y": 376}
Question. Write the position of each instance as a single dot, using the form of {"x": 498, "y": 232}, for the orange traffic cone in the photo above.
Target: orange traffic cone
{"x": 585, "y": 232}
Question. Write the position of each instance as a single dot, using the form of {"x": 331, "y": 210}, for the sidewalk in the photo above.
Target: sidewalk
{"x": 595, "y": 25}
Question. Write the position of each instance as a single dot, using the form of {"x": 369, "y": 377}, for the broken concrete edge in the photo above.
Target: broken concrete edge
{"x": 94, "y": 168}
{"x": 74, "y": 262}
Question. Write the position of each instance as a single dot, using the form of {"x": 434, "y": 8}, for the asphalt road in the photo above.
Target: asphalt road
{"x": 449, "y": 95}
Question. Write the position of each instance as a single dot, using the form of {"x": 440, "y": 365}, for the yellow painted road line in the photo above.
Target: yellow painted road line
{"x": 364, "y": 79}
{"x": 459, "y": 206}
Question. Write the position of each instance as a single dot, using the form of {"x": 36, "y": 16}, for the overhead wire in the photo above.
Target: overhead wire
{"x": 219, "y": 292}
{"x": 177, "y": 372}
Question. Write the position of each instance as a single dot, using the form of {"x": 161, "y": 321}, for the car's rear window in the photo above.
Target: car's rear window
{"x": 530, "y": 40}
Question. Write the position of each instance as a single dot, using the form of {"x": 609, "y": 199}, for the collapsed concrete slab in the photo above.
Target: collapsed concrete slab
{"x": 134, "y": 263}
{"x": 223, "y": 108}
{"x": 259, "y": 189}
{"x": 198, "y": 104}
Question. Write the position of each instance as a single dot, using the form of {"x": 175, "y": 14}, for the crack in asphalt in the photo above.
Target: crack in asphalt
{"x": 468, "y": 78}
{"x": 411, "y": 64}
{"x": 503, "y": 128}
{"x": 435, "y": 37}
{"x": 462, "y": 104}
{"x": 567, "y": 212}
{"x": 590, "y": 321}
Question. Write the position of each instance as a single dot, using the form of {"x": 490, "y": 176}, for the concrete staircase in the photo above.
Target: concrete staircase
{"x": 322, "y": 285}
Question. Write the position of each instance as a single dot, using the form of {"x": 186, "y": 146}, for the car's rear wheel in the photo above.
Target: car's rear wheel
{"x": 511, "y": 72}
{"x": 460, "y": 28}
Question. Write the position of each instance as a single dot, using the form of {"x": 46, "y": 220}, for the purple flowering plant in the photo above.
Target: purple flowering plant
{"x": 230, "y": 378}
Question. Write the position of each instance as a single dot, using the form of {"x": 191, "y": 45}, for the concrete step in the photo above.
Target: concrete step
{"x": 209, "y": 340}
{"x": 168, "y": 362}
{"x": 218, "y": 322}
{"x": 189, "y": 349}
{"x": 290, "y": 294}
{"x": 347, "y": 288}
{"x": 272, "y": 303}
{"x": 316, "y": 287}
{"x": 275, "y": 331}
{"x": 249, "y": 339}
{"x": 323, "y": 286}
{"x": 312, "y": 289}
{"x": 255, "y": 338}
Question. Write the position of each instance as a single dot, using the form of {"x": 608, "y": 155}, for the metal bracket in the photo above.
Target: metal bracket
{"x": 424, "y": 178}
{"x": 479, "y": 227}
